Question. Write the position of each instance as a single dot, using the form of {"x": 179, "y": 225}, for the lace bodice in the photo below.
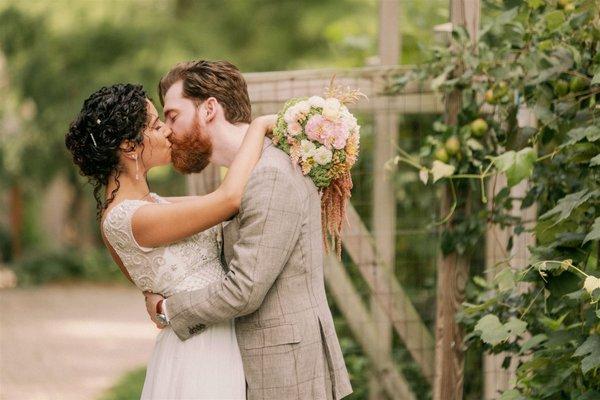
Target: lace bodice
{"x": 186, "y": 265}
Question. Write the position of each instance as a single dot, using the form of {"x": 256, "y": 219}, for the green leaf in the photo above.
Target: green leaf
{"x": 511, "y": 394}
{"x": 591, "y": 349}
{"x": 532, "y": 342}
{"x": 535, "y": 4}
{"x": 594, "y": 234}
{"x": 567, "y": 204}
{"x": 591, "y": 133}
{"x": 553, "y": 324}
{"x": 480, "y": 281}
{"x": 543, "y": 113}
{"x": 554, "y": 19}
{"x": 576, "y": 54}
{"x": 471, "y": 309}
{"x": 474, "y": 144}
{"x": 596, "y": 78}
{"x": 441, "y": 170}
{"x": 507, "y": 16}
{"x": 441, "y": 78}
{"x": 505, "y": 279}
{"x": 595, "y": 161}
{"x": 492, "y": 330}
{"x": 595, "y": 296}
{"x": 517, "y": 166}
{"x": 515, "y": 326}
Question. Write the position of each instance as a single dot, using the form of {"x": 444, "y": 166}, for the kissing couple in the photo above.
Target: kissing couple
{"x": 234, "y": 278}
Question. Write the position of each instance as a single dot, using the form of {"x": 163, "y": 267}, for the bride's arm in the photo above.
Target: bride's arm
{"x": 160, "y": 224}
{"x": 179, "y": 199}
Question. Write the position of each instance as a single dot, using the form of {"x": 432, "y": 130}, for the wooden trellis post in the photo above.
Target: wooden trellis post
{"x": 497, "y": 379}
{"x": 364, "y": 328}
{"x": 453, "y": 269}
{"x": 384, "y": 197}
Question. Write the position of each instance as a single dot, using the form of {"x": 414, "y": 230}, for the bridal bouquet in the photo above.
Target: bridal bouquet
{"x": 322, "y": 138}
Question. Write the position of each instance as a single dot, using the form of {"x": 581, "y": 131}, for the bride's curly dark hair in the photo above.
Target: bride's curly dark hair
{"x": 108, "y": 117}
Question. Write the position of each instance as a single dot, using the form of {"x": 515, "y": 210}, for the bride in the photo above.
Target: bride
{"x": 163, "y": 245}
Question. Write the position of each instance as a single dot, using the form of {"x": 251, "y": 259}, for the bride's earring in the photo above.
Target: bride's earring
{"x": 137, "y": 168}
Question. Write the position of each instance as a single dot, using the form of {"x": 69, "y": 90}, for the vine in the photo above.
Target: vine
{"x": 541, "y": 57}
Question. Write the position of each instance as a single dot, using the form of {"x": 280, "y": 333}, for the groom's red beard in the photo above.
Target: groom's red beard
{"x": 191, "y": 154}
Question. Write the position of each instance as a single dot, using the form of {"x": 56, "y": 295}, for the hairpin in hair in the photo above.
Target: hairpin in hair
{"x": 94, "y": 139}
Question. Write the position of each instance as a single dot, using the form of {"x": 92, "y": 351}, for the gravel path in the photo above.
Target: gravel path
{"x": 70, "y": 342}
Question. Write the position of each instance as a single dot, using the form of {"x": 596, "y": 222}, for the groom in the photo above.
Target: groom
{"x": 273, "y": 248}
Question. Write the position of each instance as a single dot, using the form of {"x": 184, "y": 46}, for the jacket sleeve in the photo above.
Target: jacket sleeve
{"x": 269, "y": 226}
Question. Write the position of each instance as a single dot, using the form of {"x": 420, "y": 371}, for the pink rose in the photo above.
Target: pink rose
{"x": 336, "y": 135}
{"x": 294, "y": 129}
{"x": 314, "y": 128}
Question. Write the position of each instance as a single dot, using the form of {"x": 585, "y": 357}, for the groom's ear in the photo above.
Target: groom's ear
{"x": 211, "y": 106}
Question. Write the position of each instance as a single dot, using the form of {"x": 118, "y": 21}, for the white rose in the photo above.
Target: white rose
{"x": 333, "y": 103}
{"x": 307, "y": 148}
{"x": 322, "y": 155}
{"x": 289, "y": 117}
{"x": 330, "y": 113}
{"x": 316, "y": 101}
{"x": 331, "y": 109}
{"x": 345, "y": 112}
{"x": 349, "y": 120}
{"x": 303, "y": 107}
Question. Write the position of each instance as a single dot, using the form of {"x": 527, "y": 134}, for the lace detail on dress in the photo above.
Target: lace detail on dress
{"x": 186, "y": 265}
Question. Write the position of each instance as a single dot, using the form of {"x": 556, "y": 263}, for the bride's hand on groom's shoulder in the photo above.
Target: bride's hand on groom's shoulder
{"x": 267, "y": 121}
{"x": 152, "y": 300}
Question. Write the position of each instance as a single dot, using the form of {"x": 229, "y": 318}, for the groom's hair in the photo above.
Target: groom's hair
{"x": 219, "y": 79}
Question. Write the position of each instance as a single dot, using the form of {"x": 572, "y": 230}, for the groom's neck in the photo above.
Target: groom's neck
{"x": 227, "y": 143}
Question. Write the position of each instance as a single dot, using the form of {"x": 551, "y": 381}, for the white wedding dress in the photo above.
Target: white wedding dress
{"x": 206, "y": 366}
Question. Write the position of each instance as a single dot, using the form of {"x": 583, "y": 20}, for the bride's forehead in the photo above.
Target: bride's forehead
{"x": 150, "y": 108}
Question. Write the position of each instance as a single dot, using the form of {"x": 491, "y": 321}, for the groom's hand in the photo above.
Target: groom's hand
{"x": 152, "y": 300}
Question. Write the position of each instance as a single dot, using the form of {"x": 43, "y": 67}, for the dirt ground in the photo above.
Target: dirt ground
{"x": 70, "y": 342}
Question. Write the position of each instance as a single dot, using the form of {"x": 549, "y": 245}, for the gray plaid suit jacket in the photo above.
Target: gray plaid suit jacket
{"x": 274, "y": 288}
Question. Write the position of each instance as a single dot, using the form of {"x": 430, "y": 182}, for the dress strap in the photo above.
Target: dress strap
{"x": 117, "y": 226}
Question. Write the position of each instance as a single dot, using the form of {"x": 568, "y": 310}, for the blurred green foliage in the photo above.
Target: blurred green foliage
{"x": 129, "y": 386}
{"x": 57, "y": 53}
{"x": 66, "y": 265}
